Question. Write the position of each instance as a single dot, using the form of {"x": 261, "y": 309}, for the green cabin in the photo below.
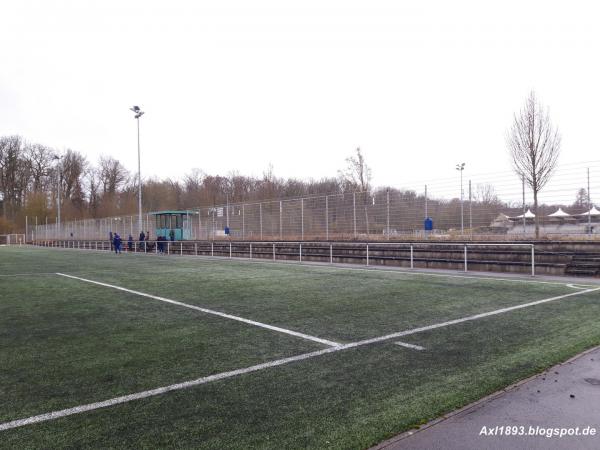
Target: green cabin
{"x": 178, "y": 221}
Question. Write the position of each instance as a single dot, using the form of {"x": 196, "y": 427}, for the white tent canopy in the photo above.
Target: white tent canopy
{"x": 528, "y": 215}
{"x": 559, "y": 213}
{"x": 591, "y": 212}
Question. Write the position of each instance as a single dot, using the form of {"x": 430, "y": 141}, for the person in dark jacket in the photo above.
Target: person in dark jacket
{"x": 110, "y": 239}
{"x": 142, "y": 236}
{"x": 117, "y": 243}
{"x": 172, "y": 235}
{"x": 130, "y": 243}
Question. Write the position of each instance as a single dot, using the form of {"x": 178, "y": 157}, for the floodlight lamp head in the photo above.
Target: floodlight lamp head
{"x": 135, "y": 108}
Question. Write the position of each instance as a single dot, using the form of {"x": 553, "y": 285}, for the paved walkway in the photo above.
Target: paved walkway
{"x": 567, "y": 395}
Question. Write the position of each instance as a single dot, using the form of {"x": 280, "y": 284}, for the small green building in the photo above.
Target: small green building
{"x": 177, "y": 221}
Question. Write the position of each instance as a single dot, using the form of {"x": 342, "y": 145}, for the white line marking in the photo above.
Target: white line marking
{"x": 158, "y": 391}
{"x": 577, "y": 286}
{"x": 220, "y": 376}
{"x": 465, "y": 319}
{"x": 411, "y": 346}
{"x": 27, "y": 274}
{"x": 208, "y": 311}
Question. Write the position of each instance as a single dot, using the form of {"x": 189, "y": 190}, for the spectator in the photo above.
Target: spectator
{"x": 130, "y": 243}
{"x": 117, "y": 243}
{"x": 142, "y": 236}
{"x": 172, "y": 235}
{"x": 110, "y": 239}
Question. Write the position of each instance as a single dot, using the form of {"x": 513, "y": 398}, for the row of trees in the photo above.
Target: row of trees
{"x": 34, "y": 178}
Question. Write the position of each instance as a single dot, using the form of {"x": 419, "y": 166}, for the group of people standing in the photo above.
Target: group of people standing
{"x": 116, "y": 241}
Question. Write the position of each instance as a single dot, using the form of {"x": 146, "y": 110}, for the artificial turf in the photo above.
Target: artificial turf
{"x": 67, "y": 342}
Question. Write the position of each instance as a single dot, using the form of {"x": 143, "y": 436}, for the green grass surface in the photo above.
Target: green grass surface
{"x": 65, "y": 342}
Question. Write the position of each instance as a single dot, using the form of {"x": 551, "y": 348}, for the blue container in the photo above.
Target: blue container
{"x": 428, "y": 224}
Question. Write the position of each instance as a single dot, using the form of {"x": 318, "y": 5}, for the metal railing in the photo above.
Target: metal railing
{"x": 302, "y": 251}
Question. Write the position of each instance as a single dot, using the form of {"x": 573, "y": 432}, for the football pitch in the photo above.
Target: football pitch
{"x": 146, "y": 351}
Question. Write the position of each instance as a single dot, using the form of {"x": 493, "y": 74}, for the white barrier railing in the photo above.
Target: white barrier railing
{"x": 229, "y": 248}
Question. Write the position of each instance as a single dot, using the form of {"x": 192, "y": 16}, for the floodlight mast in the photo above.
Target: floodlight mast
{"x": 139, "y": 113}
{"x": 460, "y": 167}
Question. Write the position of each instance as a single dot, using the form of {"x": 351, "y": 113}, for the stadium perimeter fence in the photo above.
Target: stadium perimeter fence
{"x": 480, "y": 207}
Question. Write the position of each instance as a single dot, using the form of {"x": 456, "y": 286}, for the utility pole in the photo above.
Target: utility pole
{"x": 524, "y": 219}
{"x": 461, "y": 167}
{"x": 589, "y": 203}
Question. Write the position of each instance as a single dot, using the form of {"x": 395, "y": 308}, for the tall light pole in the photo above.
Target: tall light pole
{"x": 58, "y": 181}
{"x": 139, "y": 113}
{"x": 460, "y": 167}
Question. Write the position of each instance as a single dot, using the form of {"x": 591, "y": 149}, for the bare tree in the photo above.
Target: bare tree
{"x": 581, "y": 198}
{"x": 534, "y": 145}
{"x": 73, "y": 166}
{"x": 485, "y": 193}
{"x": 14, "y": 174}
{"x": 357, "y": 176}
{"x": 112, "y": 175}
{"x": 40, "y": 160}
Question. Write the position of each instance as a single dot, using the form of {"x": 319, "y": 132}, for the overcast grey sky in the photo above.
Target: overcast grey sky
{"x": 236, "y": 85}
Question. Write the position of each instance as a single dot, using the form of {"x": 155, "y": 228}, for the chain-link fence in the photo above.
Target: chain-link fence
{"x": 489, "y": 206}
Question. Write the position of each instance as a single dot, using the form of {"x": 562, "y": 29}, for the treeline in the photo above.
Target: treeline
{"x": 32, "y": 176}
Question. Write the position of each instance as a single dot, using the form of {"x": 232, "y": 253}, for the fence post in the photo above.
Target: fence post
{"x": 250, "y": 250}
{"x": 230, "y": 250}
{"x": 212, "y": 249}
{"x": 330, "y": 253}
{"x": 260, "y": 216}
{"x": 196, "y": 248}
{"x": 300, "y": 251}
{"x": 273, "y": 251}
{"x": 168, "y": 248}
{"x": 280, "y": 220}
{"x": 470, "y": 210}
{"x": 243, "y": 221}
{"x": 181, "y": 249}
{"x": 411, "y": 257}
{"x": 387, "y": 224}
{"x": 302, "y": 216}
{"x": 589, "y": 204}
{"x": 465, "y": 257}
{"x": 532, "y": 260}
{"x": 326, "y": 217}
{"x": 367, "y": 253}
{"x": 354, "y": 211}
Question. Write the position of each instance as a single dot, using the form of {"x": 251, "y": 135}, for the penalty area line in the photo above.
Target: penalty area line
{"x": 208, "y": 311}
{"x": 280, "y": 362}
{"x": 411, "y": 346}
